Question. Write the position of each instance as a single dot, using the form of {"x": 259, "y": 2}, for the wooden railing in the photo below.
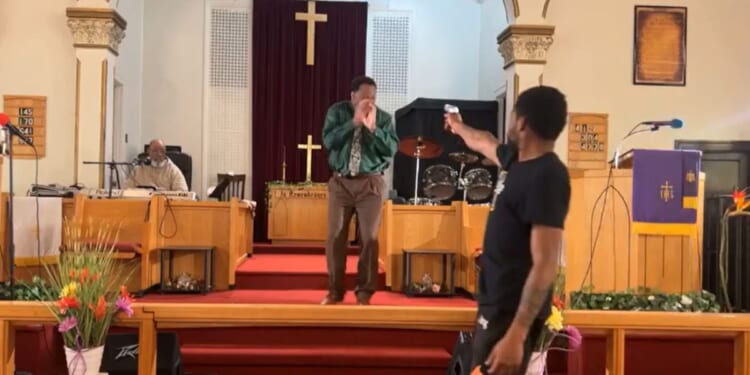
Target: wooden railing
{"x": 617, "y": 324}
{"x": 148, "y": 316}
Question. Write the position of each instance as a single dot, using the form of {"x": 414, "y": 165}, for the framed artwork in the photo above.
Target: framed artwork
{"x": 660, "y": 45}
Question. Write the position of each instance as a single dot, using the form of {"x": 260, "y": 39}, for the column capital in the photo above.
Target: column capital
{"x": 525, "y": 44}
{"x": 99, "y": 28}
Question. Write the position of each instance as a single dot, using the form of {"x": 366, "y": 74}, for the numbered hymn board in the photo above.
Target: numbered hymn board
{"x": 28, "y": 114}
{"x": 587, "y": 141}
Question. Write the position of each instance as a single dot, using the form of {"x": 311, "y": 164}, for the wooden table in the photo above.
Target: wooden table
{"x": 298, "y": 213}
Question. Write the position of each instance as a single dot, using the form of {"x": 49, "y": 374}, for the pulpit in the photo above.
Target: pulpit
{"x": 638, "y": 225}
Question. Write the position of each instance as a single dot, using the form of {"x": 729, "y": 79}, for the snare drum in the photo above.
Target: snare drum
{"x": 439, "y": 182}
{"x": 478, "y": 184}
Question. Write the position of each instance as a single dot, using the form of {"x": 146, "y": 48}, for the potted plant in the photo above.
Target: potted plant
{"x": 89, "y": 286}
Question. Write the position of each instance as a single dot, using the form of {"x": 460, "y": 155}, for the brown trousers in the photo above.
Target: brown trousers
{"x": 363, "y": 194}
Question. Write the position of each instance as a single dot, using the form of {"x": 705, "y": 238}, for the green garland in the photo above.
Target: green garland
{"x": 292, "y": 185}
{"x": 645, "y": 299}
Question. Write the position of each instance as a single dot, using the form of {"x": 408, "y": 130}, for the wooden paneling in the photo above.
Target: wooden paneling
{"x": 222, "y": 225}
{"x": 419, "y": 227}
{"x": 474, "y": 219}
{"x": 620, "y": 259}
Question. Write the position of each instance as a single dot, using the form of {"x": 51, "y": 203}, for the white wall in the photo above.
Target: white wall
{"x": 491, "y": 76}
{"x": 173, "y": 39}
{"x": 444, "y": 50}
{"x": 129, "y": 71}
{"x": 39, "y": 59}
{"x": 591, "y": 62}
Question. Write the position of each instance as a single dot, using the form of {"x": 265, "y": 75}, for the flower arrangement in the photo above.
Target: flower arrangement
{"x": 555, "y": 335}
{"x": 89, "y": 287}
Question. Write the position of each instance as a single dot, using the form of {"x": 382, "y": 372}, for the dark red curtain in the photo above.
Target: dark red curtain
{"x": 290, "y": 98}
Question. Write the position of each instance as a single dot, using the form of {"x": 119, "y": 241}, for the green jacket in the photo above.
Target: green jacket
{"x": 377, "y": 147}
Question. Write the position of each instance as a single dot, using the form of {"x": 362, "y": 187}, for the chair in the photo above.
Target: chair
{"x": 235, "y": 188}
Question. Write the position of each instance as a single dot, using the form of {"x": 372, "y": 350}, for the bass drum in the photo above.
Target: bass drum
{"x": 439, "y": 182}
{"x": 478, "y": 184}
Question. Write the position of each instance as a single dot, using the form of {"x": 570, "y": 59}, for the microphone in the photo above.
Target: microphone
{"x": 138, "y": 161}
{"x": 655, "y": 125}
{"x": 5, "y": 123}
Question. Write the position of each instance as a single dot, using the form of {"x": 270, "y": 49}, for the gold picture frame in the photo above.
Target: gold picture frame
{"x": 660, "y": 46}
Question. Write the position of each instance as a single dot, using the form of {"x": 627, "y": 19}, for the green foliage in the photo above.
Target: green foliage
{"x": 644, "y": 299}
{"x": 37, "y": 290}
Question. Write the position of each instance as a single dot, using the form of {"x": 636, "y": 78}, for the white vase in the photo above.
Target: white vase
{"x": 87, "y": 362}
{"x": 537, "y": 364}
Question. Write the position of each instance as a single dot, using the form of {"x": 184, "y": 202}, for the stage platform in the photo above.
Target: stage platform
{"x": 285, "y": 330}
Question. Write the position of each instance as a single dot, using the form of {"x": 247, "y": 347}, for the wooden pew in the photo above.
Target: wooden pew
{"x": 131, "y": 218}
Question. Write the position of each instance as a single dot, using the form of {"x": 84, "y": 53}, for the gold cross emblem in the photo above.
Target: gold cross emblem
{"x": 309, "y": 147}
{"x": 666, "y": 192}
{"x": 690, "y": 176}
{"x": 310, "y": 18}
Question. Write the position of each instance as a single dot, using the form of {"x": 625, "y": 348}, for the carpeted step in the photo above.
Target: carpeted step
{"x": 306, "y": 297}
{"x": 299, "y": 249}
{"x": 296, "y": 359}
{"x": 315, "y": 336}
{"x": 290, "y": 272}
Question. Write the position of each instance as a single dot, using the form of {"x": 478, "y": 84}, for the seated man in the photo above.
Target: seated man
{"x": 161, "y": 173}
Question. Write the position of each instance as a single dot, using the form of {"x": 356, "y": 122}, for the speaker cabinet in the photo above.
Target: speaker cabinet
{"x": 121, "y": 354}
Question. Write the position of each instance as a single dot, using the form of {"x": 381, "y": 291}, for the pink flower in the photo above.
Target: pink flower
{"x": 574, "y": 337}
{"x": 67, "y": 324}
{"x": 123, "y": 304}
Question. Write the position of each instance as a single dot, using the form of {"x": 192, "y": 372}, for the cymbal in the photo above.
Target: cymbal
{"x": 488, "y": 163}
{"x": 428, "y": 149}
{"x": 462, "y": 157}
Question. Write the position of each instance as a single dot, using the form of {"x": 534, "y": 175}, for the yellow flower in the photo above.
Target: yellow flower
{"x": 69, "y": 290}
{"x": 555, "y": 320}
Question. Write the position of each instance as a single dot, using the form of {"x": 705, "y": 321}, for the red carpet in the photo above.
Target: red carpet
{"x": 293, "y": 271}
{"x": 300, "y": 296}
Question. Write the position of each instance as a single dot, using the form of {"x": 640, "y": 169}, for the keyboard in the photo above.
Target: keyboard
{"x": 137, "y": 194}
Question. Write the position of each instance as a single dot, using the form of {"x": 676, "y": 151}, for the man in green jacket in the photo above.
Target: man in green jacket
{"x": 361, "y": 140}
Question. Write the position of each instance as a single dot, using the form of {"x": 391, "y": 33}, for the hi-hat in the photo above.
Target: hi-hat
{"x": 427, "y": 149}
{"x": 462, "y": 157}
{"x": 488, "y": 163}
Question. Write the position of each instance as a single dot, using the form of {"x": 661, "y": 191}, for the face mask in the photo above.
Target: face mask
{"x": 159, "y": 164}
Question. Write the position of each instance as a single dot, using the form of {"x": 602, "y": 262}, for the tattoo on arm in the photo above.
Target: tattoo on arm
{"x": 534, "y": 296}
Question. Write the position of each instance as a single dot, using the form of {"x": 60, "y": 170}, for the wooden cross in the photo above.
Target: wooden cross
{"x": 310, "y": 17}
{"x": 309, "y": 146}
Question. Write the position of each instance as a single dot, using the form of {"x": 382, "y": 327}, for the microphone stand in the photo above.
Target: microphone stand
{"x": 616, "y": 158}
{"x": 112, "y": 172}
{"x": 10, "y": 227}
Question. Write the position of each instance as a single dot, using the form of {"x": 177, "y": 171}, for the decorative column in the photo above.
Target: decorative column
{"x": 97, "y": 32}
{"x": 524, "y": 49}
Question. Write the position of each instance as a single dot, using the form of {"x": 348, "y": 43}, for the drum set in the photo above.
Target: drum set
{"x": 440, "y": 182}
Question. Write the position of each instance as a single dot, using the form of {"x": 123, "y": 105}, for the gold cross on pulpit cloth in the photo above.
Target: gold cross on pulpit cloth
{"x": 310, "y": 17}
{"x": 309, "y": 146}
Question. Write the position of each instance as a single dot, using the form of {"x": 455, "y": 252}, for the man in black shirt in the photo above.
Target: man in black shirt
{"x": 524, "y": 233}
